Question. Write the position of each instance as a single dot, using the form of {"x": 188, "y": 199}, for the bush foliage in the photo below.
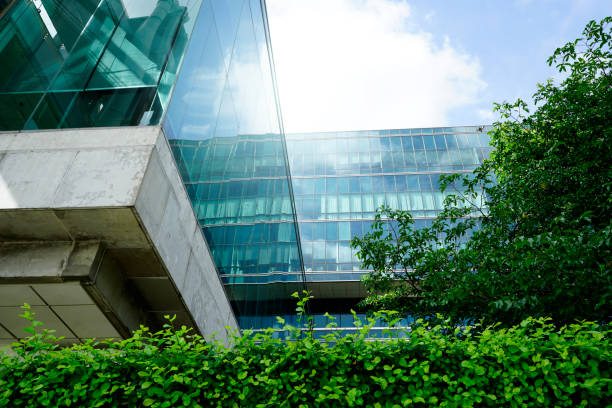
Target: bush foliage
{"x": 531, "y": 364}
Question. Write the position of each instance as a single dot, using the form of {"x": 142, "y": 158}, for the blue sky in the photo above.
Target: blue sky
{"x": 372, "y": 64}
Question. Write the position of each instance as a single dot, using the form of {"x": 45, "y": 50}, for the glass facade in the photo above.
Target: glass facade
{"x": 341, "y": 178}
{"x": 225, "y": 130}
{"x": 83, "y": 63}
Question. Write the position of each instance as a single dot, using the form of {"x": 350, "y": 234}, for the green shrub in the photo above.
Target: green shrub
{"x": 531, "y": 364}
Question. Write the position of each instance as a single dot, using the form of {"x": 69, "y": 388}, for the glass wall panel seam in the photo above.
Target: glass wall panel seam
{"x": 264, "y": 12}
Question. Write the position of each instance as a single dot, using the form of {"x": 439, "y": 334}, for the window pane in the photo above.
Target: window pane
{"x": 344, "y": 231}
{"x": 331, "y": 231}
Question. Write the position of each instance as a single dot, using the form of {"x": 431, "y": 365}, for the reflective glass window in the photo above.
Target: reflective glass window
{"x": 417, "y": 141}
{"x": 366, "y": 184}
{"x": 451, "y": 142}
{"x": 440, "y": 142}
{"x": 429, "y": 143}
{"x": 343, "y": 184}
{"x": 354, "y": 184}
{"x": 331, "y": 231}
{"x": 389, "y": 183}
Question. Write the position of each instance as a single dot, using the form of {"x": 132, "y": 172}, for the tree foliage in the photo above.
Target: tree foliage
{"x": 529, "y": 232}
{"x": 531, "y": 364}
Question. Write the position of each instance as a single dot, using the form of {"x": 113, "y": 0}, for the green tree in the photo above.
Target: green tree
{"x": 529, "y": 232}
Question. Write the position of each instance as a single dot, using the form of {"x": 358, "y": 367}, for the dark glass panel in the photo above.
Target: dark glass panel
{"x": 120, "y": 107}
{"x": 36, "y": 41}
{"x": 51, "y": 111}
{"x": 15, "y": 109}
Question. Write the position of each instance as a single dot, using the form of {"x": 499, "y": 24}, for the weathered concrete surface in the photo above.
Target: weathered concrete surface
{"x": 61, "y": 190}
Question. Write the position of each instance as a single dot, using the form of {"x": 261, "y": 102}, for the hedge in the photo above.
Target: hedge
{"x": 531, "y": 364}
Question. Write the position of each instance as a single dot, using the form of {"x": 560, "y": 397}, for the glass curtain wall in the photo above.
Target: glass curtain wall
{"x": 83, "y": 63}
{"x": 225, "y": 131}
{"x": 341, "y": 178}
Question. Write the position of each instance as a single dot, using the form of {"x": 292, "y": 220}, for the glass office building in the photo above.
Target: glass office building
{"x": 202, "y": 70}
{"x": 277, "y": 211}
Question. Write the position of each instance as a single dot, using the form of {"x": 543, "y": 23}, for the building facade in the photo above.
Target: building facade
{"x": 144, "y": 171}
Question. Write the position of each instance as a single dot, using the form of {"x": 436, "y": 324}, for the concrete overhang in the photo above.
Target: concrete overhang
{"x": 98, "y": 234}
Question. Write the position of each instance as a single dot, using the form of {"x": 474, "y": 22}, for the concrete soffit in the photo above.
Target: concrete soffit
{"x": 102, "y": 216}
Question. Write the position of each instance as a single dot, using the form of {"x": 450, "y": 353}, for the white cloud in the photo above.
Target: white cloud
{"x": 485, "y": 115}
{"x": 355, "y": 64}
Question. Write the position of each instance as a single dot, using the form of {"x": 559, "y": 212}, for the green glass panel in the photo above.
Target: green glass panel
{"x": 51, "y": 110}
{"x": 120, "y": 107}
{"x": 138, "y": 48}
{"x": 30, "y": 40}
{"x": 16, "y": 108}
{"x": 85, "y": 54}
{"x": 69, "y": 17}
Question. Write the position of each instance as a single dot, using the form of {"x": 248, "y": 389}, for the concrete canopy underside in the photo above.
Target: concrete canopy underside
{"x": 101, "y": 216}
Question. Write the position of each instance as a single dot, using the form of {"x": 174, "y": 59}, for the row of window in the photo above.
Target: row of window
{"x": 271, "y": 233}
{"x": 366, "y": 184}
{"x": 387, "y": 162}
{"x": 269, "y": 151}
{"x": 230, "y": 279}
{"x": 387, "y": 132}
{"x": 388, "y": 144}
{"x": 277, "y": 208}
{"x": 261, "y": 233}
{"x": 256, "y": 258}
{"x": 330, "y": 206}
{"x": 238, "y": 188}
{"x": 358, "y": 203}
{"x": 220, "y": 170}
{"x": 313, "y": 186}
{"x": 343, "y": 230}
